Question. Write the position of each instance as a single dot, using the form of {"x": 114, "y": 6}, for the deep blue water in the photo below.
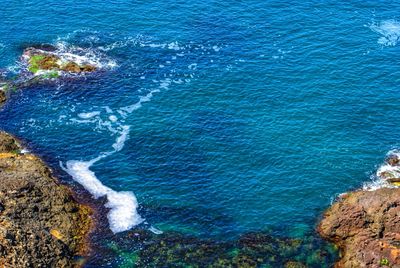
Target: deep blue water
{"x": 260, "y": 112}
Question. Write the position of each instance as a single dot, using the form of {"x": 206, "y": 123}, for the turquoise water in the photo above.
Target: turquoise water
{"x": 240, "y": 116}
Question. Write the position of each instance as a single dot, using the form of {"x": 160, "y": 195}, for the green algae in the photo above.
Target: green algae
{"x": 34, "y": 63}
{"x": 384, "y": 262}
{"x": 51, "y": 75}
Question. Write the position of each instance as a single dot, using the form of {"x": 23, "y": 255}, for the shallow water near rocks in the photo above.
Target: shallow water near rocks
{"x": 211, "y": 119}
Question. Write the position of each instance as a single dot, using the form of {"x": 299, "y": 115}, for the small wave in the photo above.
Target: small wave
{"x": 68, "y": 52}
{"x": 120, "y": 142}
{"x": 390, "y": 31}
{"x": 88, "y": 115}
{"x": 129, "y": 109}
{"x": 123, "y": 206}
{"x": 123, "y": 213}
{"x": 385, "y": 173}
{"x": 154, "y": 230}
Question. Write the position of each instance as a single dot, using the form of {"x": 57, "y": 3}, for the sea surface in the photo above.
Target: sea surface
{"x": 210, "y": 118}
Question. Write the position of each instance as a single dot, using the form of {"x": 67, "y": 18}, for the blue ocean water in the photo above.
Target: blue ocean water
{"x": 220, "y": 117}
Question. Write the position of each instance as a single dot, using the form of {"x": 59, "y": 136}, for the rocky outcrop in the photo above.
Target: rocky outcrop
{"x": 41, "y": 224}
{"x": 46, "y": 61}
{"x": 365, "y": 225}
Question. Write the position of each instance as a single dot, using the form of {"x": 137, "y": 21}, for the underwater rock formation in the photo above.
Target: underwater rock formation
{"x": 41, "y": 224}
{"x": 141, "y": 248}
{"x": 365, "y": 225}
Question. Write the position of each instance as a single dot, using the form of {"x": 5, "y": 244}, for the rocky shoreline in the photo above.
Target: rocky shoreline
{"x": 41, "y": 224}
{"x": 365, "y": 224}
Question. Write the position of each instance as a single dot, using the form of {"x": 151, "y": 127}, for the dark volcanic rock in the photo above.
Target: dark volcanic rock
{"x": 41, "y": 225}
{"x": 365, "y": 225}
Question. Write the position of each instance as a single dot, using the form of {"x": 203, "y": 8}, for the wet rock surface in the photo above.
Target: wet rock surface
{"x": 40, "y": 60}
{"x": 41, "y": 225}
{"x": 365, "y": 225}
{"x": 42, "y": 64}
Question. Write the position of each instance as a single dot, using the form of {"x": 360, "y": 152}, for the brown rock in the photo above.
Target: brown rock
{"x": 393, "y": 180}
{"x": 393, "y": 160}
{"x": 8, "y": 143}
{"x": 88, "y": 68}
{"x": 71, "y": 67}
{"x": 41, "y": 224}
{"x": 49, "y": 62}
{"x": 365, "y": 225}
{"x": 3, "y": 97}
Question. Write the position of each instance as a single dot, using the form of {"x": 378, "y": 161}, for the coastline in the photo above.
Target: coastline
{"x": 41, "y": 223}
{"x": 41, "y": 220}
{"x": 364, "y": 224}
{"x": 365, "y": 227}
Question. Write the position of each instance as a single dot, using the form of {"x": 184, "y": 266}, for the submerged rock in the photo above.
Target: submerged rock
{"x": 41, "y": 224}
{"x": 365, "y": 225}
{"x": 141, "y": 248}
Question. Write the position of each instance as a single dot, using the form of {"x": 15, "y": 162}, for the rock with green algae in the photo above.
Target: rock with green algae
{"x": 40, "y": 61}
{"x": 41, "y": 224}
{"x": 43, "y": 64}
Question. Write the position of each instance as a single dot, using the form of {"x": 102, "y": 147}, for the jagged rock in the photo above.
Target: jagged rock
{"x": 365, "y": 225}
{"x": 39, "y": 59}
{"x": 72, "y": 67}
{"x": 41, "y": 224}
{"x": 3, "y": 97}
{"x": 393, "y": 160}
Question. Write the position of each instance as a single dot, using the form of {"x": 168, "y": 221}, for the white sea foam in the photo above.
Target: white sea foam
{"x": 123, "y": 206}
{"x": 155, "y": 230}
{"x": 113, "y": 118}
{"x": 82, "y": 56}
{"x": 390, "y": 31}
{"x": 88, "y": 115}
{"x": 378, "y": 179}
{"x": 123, "y": 213}
{"x": 137, "y": 105}
{"x": 120, "y": 141}
{"x": 25, "y": 151}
